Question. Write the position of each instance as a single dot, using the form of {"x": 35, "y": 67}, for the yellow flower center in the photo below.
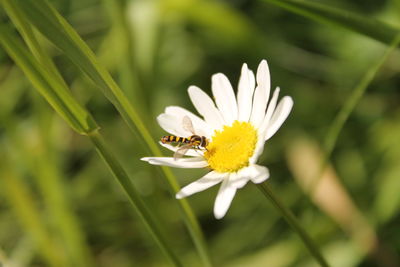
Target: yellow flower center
{"x": 231, "y": 148}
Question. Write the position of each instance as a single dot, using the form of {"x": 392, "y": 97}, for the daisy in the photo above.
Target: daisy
{"x": 236, "y": 129}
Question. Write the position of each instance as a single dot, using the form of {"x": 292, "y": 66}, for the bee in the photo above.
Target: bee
{"x": 192, "y": 142}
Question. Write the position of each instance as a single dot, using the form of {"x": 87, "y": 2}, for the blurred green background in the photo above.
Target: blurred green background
{"x": 58, "y": 198}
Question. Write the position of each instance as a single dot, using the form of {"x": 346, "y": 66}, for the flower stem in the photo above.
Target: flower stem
{"x": 292, "y": 221}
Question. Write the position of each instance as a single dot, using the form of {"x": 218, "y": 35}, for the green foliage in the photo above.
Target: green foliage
{"x": 58, "y": 203}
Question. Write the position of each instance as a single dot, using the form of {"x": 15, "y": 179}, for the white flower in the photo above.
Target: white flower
{"x": 236, "y": 128}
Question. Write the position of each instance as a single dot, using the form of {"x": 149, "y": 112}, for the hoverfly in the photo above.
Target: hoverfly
{"x": 192, "y": 142}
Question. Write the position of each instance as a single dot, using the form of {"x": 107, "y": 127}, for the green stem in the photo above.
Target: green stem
{"x": 133, "y": 194}
{"x": 292, "y": 221}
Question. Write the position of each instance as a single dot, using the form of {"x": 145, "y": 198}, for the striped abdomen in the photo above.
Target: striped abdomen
{"x": 194, "y": 140}
{"x": 174, "y": 139}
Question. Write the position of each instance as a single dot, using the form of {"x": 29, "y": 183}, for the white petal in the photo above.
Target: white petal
{"x": 255, "y": 173}
{"x": 261, "y": 95}
{"x": 245, "y": 93}
{"x": 199, "y": 125}
{"x": 207, "y": 181}
{"x": 224, "y": 198}
{"x": 197, "y": 162}
{"x": 224, "y": 97}
{"x": 279, "y": 116}
{"x": 263, "y": 127}
{"x": 259, "y": 174}
{"x": 206, "y": 107}
{"x": 270, "y": 111}
{"x": 239, "y": 179}
{"x": 259, "y": 147}
{"x": 190, "y": 152}
{"x": 172, "y": 125}
{"x": 263, "y": 76}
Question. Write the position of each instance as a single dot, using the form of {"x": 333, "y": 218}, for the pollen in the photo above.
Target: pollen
{"x": 232, "y": 147}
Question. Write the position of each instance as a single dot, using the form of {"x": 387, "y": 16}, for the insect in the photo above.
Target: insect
{"x": 192, "y": 142}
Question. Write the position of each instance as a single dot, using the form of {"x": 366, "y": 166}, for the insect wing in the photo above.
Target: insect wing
{"x": 180, "y": 152}
{"x": 187, "y": 124}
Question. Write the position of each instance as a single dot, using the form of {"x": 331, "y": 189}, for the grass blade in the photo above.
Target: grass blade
{"x": 339, "y": 121}
{"x": 354, "y": 98}
{"x": 29, "y": 36}
{"x": 367, "y": 26}
{"x": 43, "y": 82}
{"x": 54, "y": 27}
{"x": 60, "y": 99}
{"x": 46, "y": 19}
{"x": 49, "y": 180}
